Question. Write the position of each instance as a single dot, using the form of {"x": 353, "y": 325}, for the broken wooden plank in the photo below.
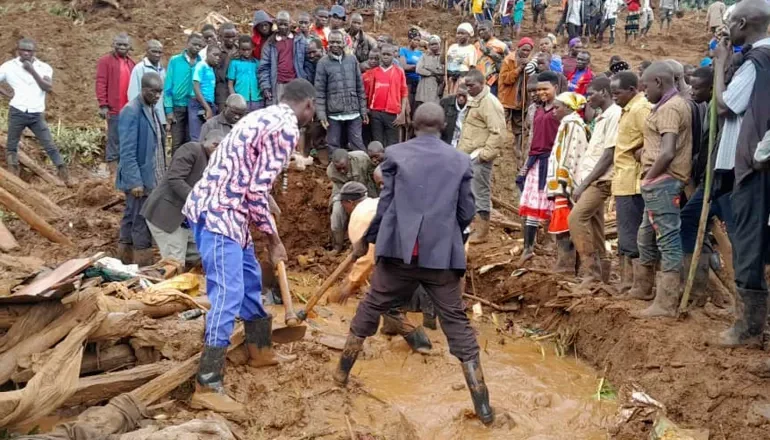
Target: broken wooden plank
{"x": 118, "y": 325}
{"x": 108, "y": 359}
{"x": 93, "y": 390}
{"x": 7, "y": 240}
{"x": 35, "y": 221}
{"x": 41, "y": 204}
{"x": 181, "y": 373}
{"x": 42, "y": 285}
{"x": 38, "y": 169}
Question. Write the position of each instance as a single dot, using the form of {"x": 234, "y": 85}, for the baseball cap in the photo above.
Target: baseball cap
{"x": 337, "y": 10}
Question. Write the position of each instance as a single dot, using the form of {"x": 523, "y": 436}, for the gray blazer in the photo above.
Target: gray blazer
{"x": 163, "y": 207}
{"x": 426, "y": 199}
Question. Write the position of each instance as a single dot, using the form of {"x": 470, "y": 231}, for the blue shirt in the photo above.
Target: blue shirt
{"x": 204, "y": 74}
{"x": 178, "y": 85}
{"x": 411, "y": 57}
{"x": 243, "y": 74}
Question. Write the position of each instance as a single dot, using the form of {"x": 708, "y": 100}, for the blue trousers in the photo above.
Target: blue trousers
{"x": 658, "y": 236}
{"x": 233, "y": 283}
{"x": 195, "y": 122}
{"x": 720, "y": 207}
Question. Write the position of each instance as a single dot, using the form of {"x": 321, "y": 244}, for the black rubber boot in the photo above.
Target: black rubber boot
{"x": 259, "y": 343}
{"x": 530, "y": 235}
{"x": 750, "y": 321}
{"x": 209, "y": 383}
{"x": 474, "y": 377}
{"x": 353, "y": 347}
{"x": 418, "y": 341}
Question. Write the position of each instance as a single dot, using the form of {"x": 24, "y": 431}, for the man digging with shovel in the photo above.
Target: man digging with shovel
{"x": 232, "y": 194}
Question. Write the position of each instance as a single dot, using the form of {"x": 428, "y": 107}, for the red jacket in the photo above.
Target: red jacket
{"x": 108, "y": 91}
{"x": 397, "y": 89}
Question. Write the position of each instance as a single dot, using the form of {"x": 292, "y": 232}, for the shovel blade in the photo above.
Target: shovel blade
{"x": 285, "y": 335}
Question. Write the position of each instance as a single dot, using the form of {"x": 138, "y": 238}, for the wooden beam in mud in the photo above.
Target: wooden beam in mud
{"x": 39, "y": 170}
{"x": 7, "y": 240}
{"x": 41, "y": 204}
{"x": 35, "y": 221}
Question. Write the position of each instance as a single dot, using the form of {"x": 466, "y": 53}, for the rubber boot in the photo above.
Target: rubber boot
{"x": 626, "y": 274}
{"x": 353, "y": 347}
{"x": 12, "y": 160}
{"x": 474, "y": 377}
{"x": 480, "y": 232}
{"x": 338, "y": 240}
{"x": 750, "y": 321}
{"x": 606, "y": 267}
{"x": 644, "y": 278}
{"x": 429, "y": 321}
{"x": 64, "y": 174}
{"x": 566, "y": 256}
{"x": 698, "y": 296}
{"x": 418, "y": 341}
{"x": 666, "y": 297}
{"x": 143, "y": 257}
{"x": 125, "y": 253}
{"x": 209, "y": 384}
{"x": 391, "y": 323}
{"x": 530, "y": 234}
{"x": 259, "y": 343}
{"x": 591, "y": 269}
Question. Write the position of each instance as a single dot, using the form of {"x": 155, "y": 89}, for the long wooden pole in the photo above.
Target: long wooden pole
{"x": 704, "y": 212}
{"x": 35, "y": 221}
{"x": 346, "y": 263}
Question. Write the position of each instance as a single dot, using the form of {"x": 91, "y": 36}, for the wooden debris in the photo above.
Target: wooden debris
{"x": 118, "y": 325}
{"x": 499, "y": 308}
{"x": 35, "y": 221}
{"x": 45, "y": 286}
{"x": 92, "y": 390}
{"x": 42, "y": 205}
{"x": 30, "y": 264}
{"x": 9, "y": 314}
{"x": 181, "y": 373}
{"x": 505, "y": 224}
{"x": 7, "y": 241}
{"x": 39, "y": 170}
{"x": 496, "y": 201}
{"x": 109, "y": 359}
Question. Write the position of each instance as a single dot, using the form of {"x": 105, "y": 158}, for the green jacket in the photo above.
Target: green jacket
{"x": 178, "y": 87}
{"x": 360, "y": 170}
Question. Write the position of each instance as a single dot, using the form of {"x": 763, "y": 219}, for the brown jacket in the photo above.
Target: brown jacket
{"x": 512, "y": 84}
{"x": 483, "y": 126}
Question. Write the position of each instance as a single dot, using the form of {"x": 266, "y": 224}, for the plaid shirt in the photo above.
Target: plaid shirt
{"x": 234, "y": 189}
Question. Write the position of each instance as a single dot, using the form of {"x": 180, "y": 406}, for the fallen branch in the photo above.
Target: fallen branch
{"x": 496, "y": 201}
{"x": 35, "y": 221}
{"x": 38, "y": 169}
{"x": 505, "y": 224}
{"x": 41, "y": 204}
{"x": 497, "y": 307}
{"x": 93, "y": 390}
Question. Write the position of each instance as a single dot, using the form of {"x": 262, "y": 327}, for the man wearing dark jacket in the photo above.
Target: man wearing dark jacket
{"x": 283, "y": 59}
{"x": 141, "y": 166}
{"x": 163, "y": 209}
{"x": 418, "y": 235}
{"x": 454, "y": 110}
{"x": 341, "y": 101}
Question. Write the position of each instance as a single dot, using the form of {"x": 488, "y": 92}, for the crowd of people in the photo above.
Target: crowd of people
{"x": 412, "y": 135}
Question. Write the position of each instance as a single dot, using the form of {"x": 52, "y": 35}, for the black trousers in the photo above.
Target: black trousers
{"x": 393, "y": 284}
{"x": 751, "y": 238}
{"x": 383, "y": 129}
{"x": 133, "y": 226}
{"x": 180, "y": 130}
{"x": 630, "y": 210}
{"x": 19, "y": 120}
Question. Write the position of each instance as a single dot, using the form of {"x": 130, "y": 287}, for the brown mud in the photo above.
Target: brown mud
{"x": 395, "y": 394}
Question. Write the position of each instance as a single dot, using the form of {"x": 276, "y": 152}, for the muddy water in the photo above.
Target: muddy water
{"x": 536, "y": 394}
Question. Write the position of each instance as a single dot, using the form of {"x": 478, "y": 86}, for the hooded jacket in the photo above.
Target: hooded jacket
{"x": 257, "y": 40}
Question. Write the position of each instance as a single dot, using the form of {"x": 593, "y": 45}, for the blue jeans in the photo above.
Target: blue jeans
{"x": 720, "y": 207}
{"x": 233, "y": 283}
{"x": 195, "y": 122}
{"x": 350, "y": 131}
{"x": 19, "y": 120}
{"x": 658, "y": 236}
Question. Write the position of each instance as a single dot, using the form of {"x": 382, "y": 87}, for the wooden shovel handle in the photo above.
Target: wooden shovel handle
{"x": 290, "y": 317}
{"x": 342, "y": 267}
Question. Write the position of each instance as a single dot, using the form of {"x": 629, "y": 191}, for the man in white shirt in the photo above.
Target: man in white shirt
{"x": 150, "y": 63}
{"x": 30, "y": 80}
{"x": 574, "y": 18}
{"x": 609, "y": 18}
{"x": 586, "y": 221}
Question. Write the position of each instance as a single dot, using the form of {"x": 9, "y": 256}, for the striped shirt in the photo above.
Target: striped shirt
{"x": 234, "y": 189}
{"x": 736, "y": 97}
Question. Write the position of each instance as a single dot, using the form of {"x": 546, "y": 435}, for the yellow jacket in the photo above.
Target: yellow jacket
{"x": 483, "y": 126}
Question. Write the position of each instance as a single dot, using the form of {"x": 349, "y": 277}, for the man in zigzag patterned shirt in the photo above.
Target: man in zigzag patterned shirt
{"x": 232, "y": 194}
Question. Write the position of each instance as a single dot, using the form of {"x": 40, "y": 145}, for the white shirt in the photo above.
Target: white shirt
{"x": 574, "y": 12}
{"x": 27, "y": 94}
{"x": 736, "y": 96}
{"x": 611, "y": 8}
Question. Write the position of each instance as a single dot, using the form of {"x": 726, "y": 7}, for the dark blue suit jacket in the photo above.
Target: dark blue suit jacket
{"x": 427, "y": 198}
{"x": 138, "y": 142}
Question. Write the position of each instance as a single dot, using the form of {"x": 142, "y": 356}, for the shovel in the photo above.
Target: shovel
{"x": 293, "y": 331}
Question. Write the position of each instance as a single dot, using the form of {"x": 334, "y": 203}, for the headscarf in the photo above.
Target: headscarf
{"x": 619, "y": 66}
{"x": 526, "y": 40}
{"x": 573, "y": 42}
{"x": 413, "y": 33}
{"x": 467, "y": 27}
{"x": 434, "y": 39}
{"x": 572, "y": 100}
